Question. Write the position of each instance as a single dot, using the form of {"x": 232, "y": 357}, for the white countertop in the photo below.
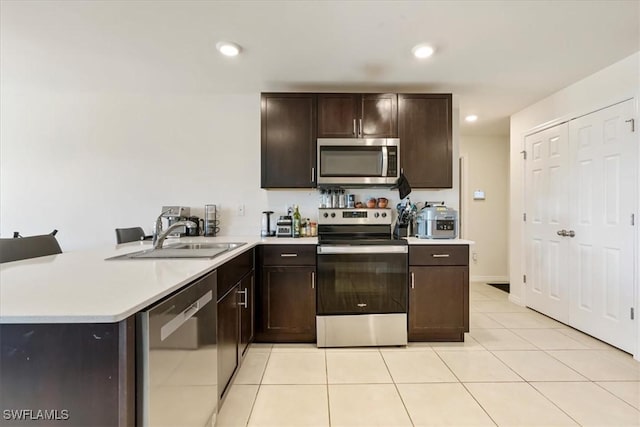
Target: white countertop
{"x": 81, "y": 287}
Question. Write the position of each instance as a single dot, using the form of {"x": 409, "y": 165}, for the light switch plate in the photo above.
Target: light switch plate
{"x": 478, "y": 195}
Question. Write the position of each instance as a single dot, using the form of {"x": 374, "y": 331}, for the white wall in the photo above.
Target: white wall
{"x": 615, "y": 83}
{"x": 486, "y": 168}
{"x": 86, "y": 162}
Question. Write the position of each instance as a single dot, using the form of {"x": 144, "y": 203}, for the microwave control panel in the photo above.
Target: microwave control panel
{"x": 392, "y": 170}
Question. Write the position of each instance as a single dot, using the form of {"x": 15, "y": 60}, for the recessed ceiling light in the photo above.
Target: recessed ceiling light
{"x": 471, "y": 118}
{"x": 228, "y": 48}
{"x": 422, "y": 51}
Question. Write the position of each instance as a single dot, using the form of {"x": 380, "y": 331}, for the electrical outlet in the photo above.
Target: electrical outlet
{"x": 241, "y": 210}
{"x": 474, "y": 256}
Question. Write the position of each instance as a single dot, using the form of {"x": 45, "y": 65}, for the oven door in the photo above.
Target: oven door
{"x": 362, "y": 279}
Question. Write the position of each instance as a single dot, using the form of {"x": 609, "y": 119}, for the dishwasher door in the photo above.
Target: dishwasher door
{"x": 178, "y": 357}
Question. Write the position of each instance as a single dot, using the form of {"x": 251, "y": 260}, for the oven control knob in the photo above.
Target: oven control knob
{"x": 326, "y": 215}
{"x": 384, "y": 214}
{"x": 376, "y": 214}
{"x": 333, "y": 214}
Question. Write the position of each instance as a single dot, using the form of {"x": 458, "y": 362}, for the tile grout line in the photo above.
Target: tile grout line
{"x": 395, "y": 385}
{"x": 326, "y": 377}
{"x": 259, "y": 387}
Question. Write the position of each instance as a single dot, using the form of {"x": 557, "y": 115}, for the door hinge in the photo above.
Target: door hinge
{"x": 524, "y": 217}
{"x": 632, "y": 313}
{"x": 633, "y": 219}
{"x": 524, "y": 154}
{"x": 524, "y": 278}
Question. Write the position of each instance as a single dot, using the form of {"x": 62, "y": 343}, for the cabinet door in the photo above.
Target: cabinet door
{"x": 288, "y": 140}
{"x": 246, "y": 301}
{"x": 437, "y": 303}
{"x": 338, "y": 115}
{"x": 228, "y": 336}
{"x": 288, "y": 304}
{"x": 424, "y": 129}
{"x": 379, "y": 116}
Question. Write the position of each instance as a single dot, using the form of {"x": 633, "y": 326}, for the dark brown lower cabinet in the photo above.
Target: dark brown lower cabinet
{"x": 287, "y": 304}
{"x": 436, "y": 303}
{"x": 228, "y": 337}
{"x": 438, "y": 292}
{"x": 77, "y": 374}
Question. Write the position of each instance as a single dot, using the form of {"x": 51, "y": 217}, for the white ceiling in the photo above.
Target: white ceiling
{"x": 496, "y": 56}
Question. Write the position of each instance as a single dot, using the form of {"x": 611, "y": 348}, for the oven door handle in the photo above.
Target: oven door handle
{"x": 361, "y": 249}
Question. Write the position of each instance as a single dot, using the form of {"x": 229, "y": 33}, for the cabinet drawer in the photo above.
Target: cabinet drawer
{"x": 232, "y": 271}
{"x": 289, "y": 255}
{"x": 439, "y": 255}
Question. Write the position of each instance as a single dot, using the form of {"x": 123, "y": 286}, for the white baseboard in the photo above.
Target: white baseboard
{"x": 491, "y": 279}
{"x": 516, "y": 300}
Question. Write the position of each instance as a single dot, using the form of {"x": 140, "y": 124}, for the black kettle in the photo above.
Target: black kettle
{"x": 198, "y": 228}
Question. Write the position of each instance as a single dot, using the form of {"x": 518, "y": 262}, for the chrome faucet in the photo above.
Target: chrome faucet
{"x": 163, "y": 235}
{"x": 157, "y": 228}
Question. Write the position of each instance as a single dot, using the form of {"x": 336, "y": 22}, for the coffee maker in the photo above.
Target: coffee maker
{"x": 174, "y": 214}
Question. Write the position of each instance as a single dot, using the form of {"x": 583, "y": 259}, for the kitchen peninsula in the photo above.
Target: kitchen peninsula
{"x": 68, "y": 327}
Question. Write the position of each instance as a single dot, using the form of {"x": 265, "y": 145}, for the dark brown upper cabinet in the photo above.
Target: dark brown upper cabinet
{"x": 350, "y": 115}
{"x": 288, "y": 140}
{"x": 424, "y": 128}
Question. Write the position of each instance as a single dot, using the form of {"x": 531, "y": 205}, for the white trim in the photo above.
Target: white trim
{"x": 514, "y": 299}
{"x": 504, "y": 279}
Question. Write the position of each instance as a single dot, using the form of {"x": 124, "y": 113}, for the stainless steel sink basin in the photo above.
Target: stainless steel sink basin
{"x": 182, "y": 250}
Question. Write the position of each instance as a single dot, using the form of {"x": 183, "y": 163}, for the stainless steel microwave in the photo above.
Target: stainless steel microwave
{"x": 358, "y": 161}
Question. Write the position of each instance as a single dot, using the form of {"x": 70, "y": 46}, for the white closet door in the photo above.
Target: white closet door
{"x": 603, "y": 198}
{"x": 547, "y": 206}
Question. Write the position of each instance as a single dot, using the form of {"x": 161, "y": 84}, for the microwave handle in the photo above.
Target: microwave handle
{"x": 385, "y": 161}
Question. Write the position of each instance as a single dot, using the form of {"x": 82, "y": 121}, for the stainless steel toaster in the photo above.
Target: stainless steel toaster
{"x": 437, "y": 222}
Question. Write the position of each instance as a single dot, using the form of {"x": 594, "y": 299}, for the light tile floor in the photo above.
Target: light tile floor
{"x": 515, "y": 368}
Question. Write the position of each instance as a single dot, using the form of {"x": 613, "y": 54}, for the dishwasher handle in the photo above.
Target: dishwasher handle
{"x": 180, "y": 319}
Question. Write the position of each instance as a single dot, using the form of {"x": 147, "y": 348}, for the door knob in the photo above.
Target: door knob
{"x": 562, "y": 233}
{"x": 571, "y": 233}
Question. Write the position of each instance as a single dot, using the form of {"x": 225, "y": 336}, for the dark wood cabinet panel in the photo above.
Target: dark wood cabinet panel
{"x": 84, "y": 371}
{"x": 228, "y": 337}
{"x": 436, "y": 303}
{"x": 288, "y": 140}
{"x": 230, "y": 273}
{"x": 425, "y": 132}
{"x": 439, "y": 255}
{"x": 349, "y": 115}
{"x": 287, "y": 304}
{"x": 338, "y": 115}
{"x": 247, "y": 311}
{"x": 281, "y": 255}
{"x": 379, "y": 115}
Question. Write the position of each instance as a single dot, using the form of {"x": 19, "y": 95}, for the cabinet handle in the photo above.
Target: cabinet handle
{"x": 354, "y": 127}
{"x": 245, "y": 302}
{"x": 288, "y": 255}
{"x": 313, "y": 280}
{"x": 413, "y": 280}
{"x": 361, "y": 127}
{"x": 440, "y": 255}
{"x": 313, "y": 174}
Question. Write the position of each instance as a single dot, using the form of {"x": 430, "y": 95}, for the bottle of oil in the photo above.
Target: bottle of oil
{"x": 296, "y": 222}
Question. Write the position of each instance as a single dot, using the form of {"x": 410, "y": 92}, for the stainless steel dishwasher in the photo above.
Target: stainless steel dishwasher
{"x": 177, "y": 359}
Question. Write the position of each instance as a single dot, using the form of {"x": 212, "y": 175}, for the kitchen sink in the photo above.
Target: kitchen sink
{"x": 183, "y": 250}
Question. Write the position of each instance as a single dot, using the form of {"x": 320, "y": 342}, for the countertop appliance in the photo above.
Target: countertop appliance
{"x": 284, "y": 226}
{"x": 266, "y": 230}
{"x": 177, "y": 358}
{"x": 358, "y": 161}
{"x": 437, "y": 222}
{"x": 175, "y": 214}
{"x": 362, "y": 279}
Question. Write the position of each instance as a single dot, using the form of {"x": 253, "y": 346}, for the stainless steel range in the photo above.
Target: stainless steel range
{"x": 362, "y": 280}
